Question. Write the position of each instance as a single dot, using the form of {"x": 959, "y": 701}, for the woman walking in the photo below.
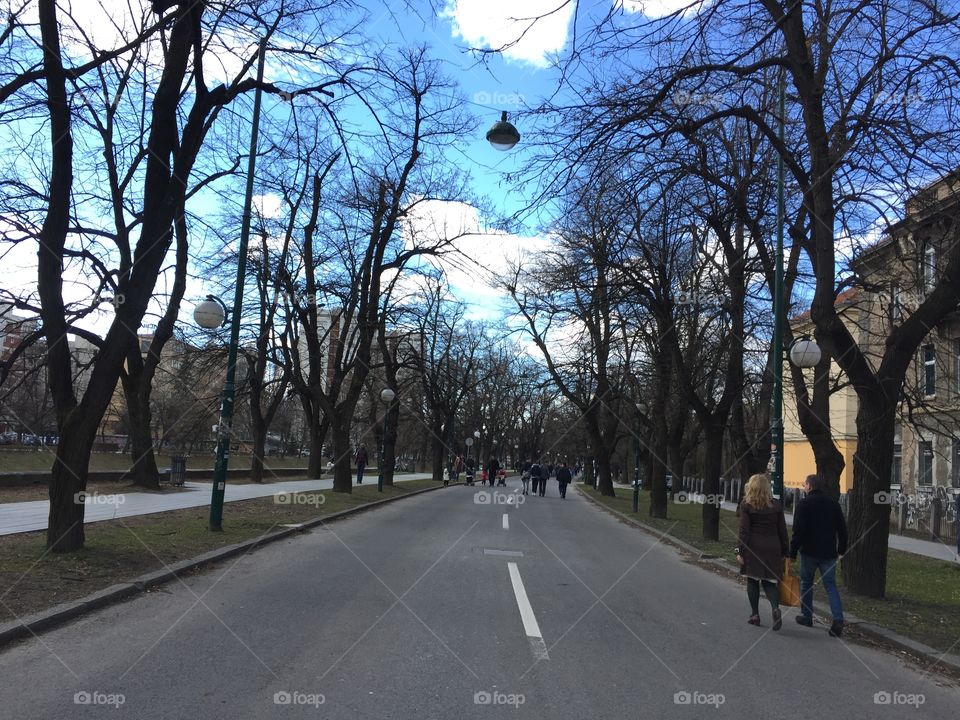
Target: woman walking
{"x": 763, "y": 548}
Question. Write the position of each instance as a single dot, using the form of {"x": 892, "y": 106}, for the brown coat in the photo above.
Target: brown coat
{"x": 763, "y": 542}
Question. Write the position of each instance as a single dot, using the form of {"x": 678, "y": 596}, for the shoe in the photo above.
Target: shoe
{"x": 777, "y": 619}
{"x": 836, "y": 629}
{"x": 804, "y": 620}
{"x": 754, "y": 620}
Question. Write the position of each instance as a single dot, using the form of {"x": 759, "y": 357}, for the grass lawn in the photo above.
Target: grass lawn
{"x": 923, "y": 594}
{"x": 41, "y": 460}
{"x": 120, "y": 550}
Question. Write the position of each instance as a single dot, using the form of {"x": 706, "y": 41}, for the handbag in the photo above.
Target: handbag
{"x": 789, "y": 587}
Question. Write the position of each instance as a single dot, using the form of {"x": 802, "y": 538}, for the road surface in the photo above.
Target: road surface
{"x": 453, "y": 605}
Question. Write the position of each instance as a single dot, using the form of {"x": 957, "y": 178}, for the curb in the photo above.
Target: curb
{"x": 877, "y": 632}
{"x": 60, "y": 614}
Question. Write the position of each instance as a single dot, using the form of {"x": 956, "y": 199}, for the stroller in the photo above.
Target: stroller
{"x": 469, "y": 476}
{"x": 502, "y": 478}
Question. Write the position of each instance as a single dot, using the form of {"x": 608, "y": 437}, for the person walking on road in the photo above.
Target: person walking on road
{"x": 457, "y": 467}
{"x": 470, "y": 467}
{"x": 544, "y": 475}
{"x": 763, "y": 547}
{"x": 361, "y": 463}
{"x": 493, "y": 467}
{"x": 563, "y": 479}
{"x": 820, "y": 536}
{"x": 536, "y": 475}
{"x": 525, "y": 477}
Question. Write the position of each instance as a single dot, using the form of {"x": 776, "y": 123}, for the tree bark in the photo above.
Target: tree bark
{"x": 343, "y": 455}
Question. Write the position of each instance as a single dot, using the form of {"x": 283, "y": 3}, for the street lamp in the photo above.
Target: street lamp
{"x": 209, "y": 314}
{"x": 386, "y": 397}
{"x": 641, "y": 412}
{"x": 503, "y": 135}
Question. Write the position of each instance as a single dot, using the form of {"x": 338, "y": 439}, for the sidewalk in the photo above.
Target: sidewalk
{"x": 29, "y": 516}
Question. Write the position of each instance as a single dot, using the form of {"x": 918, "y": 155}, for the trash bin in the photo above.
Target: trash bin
{"x": 178, "y": 469}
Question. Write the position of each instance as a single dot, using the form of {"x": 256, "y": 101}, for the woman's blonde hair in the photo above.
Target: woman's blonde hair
{"x": 758, "y": 495}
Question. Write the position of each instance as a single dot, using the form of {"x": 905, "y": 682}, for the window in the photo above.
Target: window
{"x": 929, "y": 267}
{"x": 896, "y": 303}
{"x": 926, "y": 463}
{"x": 897, "y": 459}
{"x": 928, "y": 379}
{"x": 955, "y": 468}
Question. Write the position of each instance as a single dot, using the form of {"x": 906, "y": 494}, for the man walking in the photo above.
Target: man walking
{"x": 536, "y": 475}
{"x": 361, "y": 463}
{"x": 563, "y": 479}
{"x": 820, "y": 536}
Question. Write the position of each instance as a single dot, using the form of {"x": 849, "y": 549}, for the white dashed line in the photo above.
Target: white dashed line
{"x": 506, "y": 522}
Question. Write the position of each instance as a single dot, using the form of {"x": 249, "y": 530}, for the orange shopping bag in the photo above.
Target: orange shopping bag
{"x": 789, "y": 587}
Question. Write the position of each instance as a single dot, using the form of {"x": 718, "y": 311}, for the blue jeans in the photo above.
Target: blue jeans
{"x": 828, "y": 576}
{"x": 360, "y": 469}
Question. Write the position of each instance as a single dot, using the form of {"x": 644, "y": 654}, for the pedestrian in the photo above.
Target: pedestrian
{"x": 361, "y": 463}
{"x": 493, "y": 467}
{"x": 542, "y": 487}
{"x": 563, "y": 479}
{"x": 763, "y": 547}
{"x": 470, "y": 468}
{"x": 457, "y": 467}
{"x": 525, "y": 477}
{"x": 536, "y": 475}
{"x": 820, "y": 536}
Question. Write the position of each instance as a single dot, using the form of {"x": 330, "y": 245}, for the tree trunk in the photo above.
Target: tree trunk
{"x": 144, "y": 471}
{"x": 318, "y": 433}
{"x": 864, "y": 566}
{"x": 711, "y": 481}
{"x": 256, "y": 461}
{"x": 604, "y": 478}
{"x": 65, "y": 531}
{"x": 437, "y": 453}
{"x": 343, "y": 456}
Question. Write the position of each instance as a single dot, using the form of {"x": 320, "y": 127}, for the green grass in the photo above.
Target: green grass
{"x": 923, "y": 595}
{"x": 119, "y": 550}
{"x": 41, "y": 460}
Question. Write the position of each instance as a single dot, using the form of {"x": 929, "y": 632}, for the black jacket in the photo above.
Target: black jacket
{"x": 819, "y": 529}
{"x": 563, "y": 476}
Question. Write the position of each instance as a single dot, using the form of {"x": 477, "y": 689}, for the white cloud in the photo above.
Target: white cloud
{"x": 495, "y": 23}
{"x": 483, "y": 258}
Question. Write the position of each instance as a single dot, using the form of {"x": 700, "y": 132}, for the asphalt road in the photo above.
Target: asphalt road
{"x": 417, "y": 610}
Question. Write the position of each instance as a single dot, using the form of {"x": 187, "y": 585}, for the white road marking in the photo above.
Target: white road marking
{"x": 506, "y": 522}
{"x": 526, "y": 612}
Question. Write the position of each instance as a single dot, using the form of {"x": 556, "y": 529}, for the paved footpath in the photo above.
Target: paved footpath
{"x": 28, "y": 516}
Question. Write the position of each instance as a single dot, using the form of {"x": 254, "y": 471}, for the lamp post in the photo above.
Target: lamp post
{"x": 386, "y": 397}
{"x": 516, "y": 456}
{"x": 476, "y": 436}
{"x": 641, "y": 411}
{"x": 226, "y": 408}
